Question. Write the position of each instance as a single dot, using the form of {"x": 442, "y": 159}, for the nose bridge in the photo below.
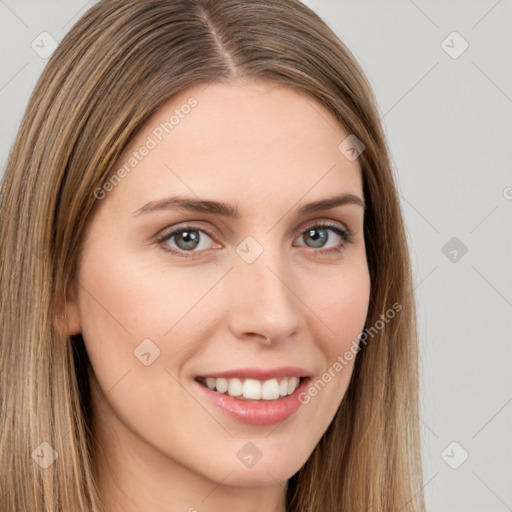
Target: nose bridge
{"x": 265, "y": 303}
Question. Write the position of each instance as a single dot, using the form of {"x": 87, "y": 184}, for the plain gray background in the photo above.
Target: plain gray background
{"x": 447, "y": 116}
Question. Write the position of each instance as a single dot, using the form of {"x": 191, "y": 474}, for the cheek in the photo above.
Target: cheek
{"x": 138, "y": 325}
{"x": 339, "y": 310}
{"x": 125, "y": 301}
{"x": 142, "y": 324}
{"x": 339, "y": 303}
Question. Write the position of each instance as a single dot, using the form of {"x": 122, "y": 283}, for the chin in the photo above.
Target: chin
{"x": 271, "y": 470}
{"x": 261, "y": 475}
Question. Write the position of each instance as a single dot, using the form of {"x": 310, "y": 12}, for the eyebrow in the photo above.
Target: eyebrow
{"x": 228, "y": 210}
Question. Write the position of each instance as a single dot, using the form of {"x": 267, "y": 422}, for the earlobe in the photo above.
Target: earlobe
{"x": 71, "y": 320}
{"x": 68, "y": 315}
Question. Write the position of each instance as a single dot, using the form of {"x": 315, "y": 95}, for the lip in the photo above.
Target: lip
{"x": 260, "y": 373}
{"x": 254, "y": 412}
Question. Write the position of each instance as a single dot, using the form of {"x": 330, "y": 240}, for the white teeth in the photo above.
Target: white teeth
{"x": 221, "y": 385}
{"x": 234, "y": 387}
{"x": 270, "y": 389}
{"x": 293, "y": 382}
{"x": 252, "y": 389}
{"x": 283, "y": 387}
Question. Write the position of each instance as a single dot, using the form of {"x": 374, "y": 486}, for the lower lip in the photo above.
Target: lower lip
{"x": 256, "y": 412}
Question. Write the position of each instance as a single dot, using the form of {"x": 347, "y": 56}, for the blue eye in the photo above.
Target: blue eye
{"x": 189, "y": 238}
{"x": 320, "y": 235}
{"x": 186, "y": 239}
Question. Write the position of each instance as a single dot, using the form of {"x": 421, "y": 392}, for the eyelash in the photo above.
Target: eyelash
{"x": 345, "y": 234}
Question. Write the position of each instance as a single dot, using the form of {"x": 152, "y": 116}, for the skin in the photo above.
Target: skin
{"x": 268, "y": 150}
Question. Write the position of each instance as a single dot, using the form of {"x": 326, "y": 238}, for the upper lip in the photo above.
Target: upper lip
{"x": 260, "y": 373}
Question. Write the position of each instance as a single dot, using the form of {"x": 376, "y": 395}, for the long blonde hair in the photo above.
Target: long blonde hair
{"x": 114, "y": 68}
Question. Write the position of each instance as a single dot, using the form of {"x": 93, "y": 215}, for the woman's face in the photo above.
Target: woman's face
{"x": 170, "y": 292}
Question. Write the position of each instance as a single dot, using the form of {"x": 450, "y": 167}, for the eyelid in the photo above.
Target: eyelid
{"x": 183, "y": 226}
{"x": 321, "y": 222}
{"x": 343, "y": 231}
{"x": 193, "y": 224}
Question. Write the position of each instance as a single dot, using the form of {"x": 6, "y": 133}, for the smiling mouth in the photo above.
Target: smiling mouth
{"x": 253, "y": 389}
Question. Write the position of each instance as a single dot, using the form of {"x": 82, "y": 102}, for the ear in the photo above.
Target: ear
{"x": 67, "y": 312}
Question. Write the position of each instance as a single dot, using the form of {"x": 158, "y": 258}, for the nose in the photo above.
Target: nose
{"x": 265, "y": 305}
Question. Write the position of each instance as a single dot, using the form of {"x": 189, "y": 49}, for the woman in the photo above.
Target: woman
{"x": 206, "y": 290}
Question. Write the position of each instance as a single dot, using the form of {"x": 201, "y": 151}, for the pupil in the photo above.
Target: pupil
{"x": 190, "y": 239}
{"x": 318, "y": 240}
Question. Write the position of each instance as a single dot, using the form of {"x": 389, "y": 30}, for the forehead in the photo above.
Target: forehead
{"x": 250, "y": 139}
